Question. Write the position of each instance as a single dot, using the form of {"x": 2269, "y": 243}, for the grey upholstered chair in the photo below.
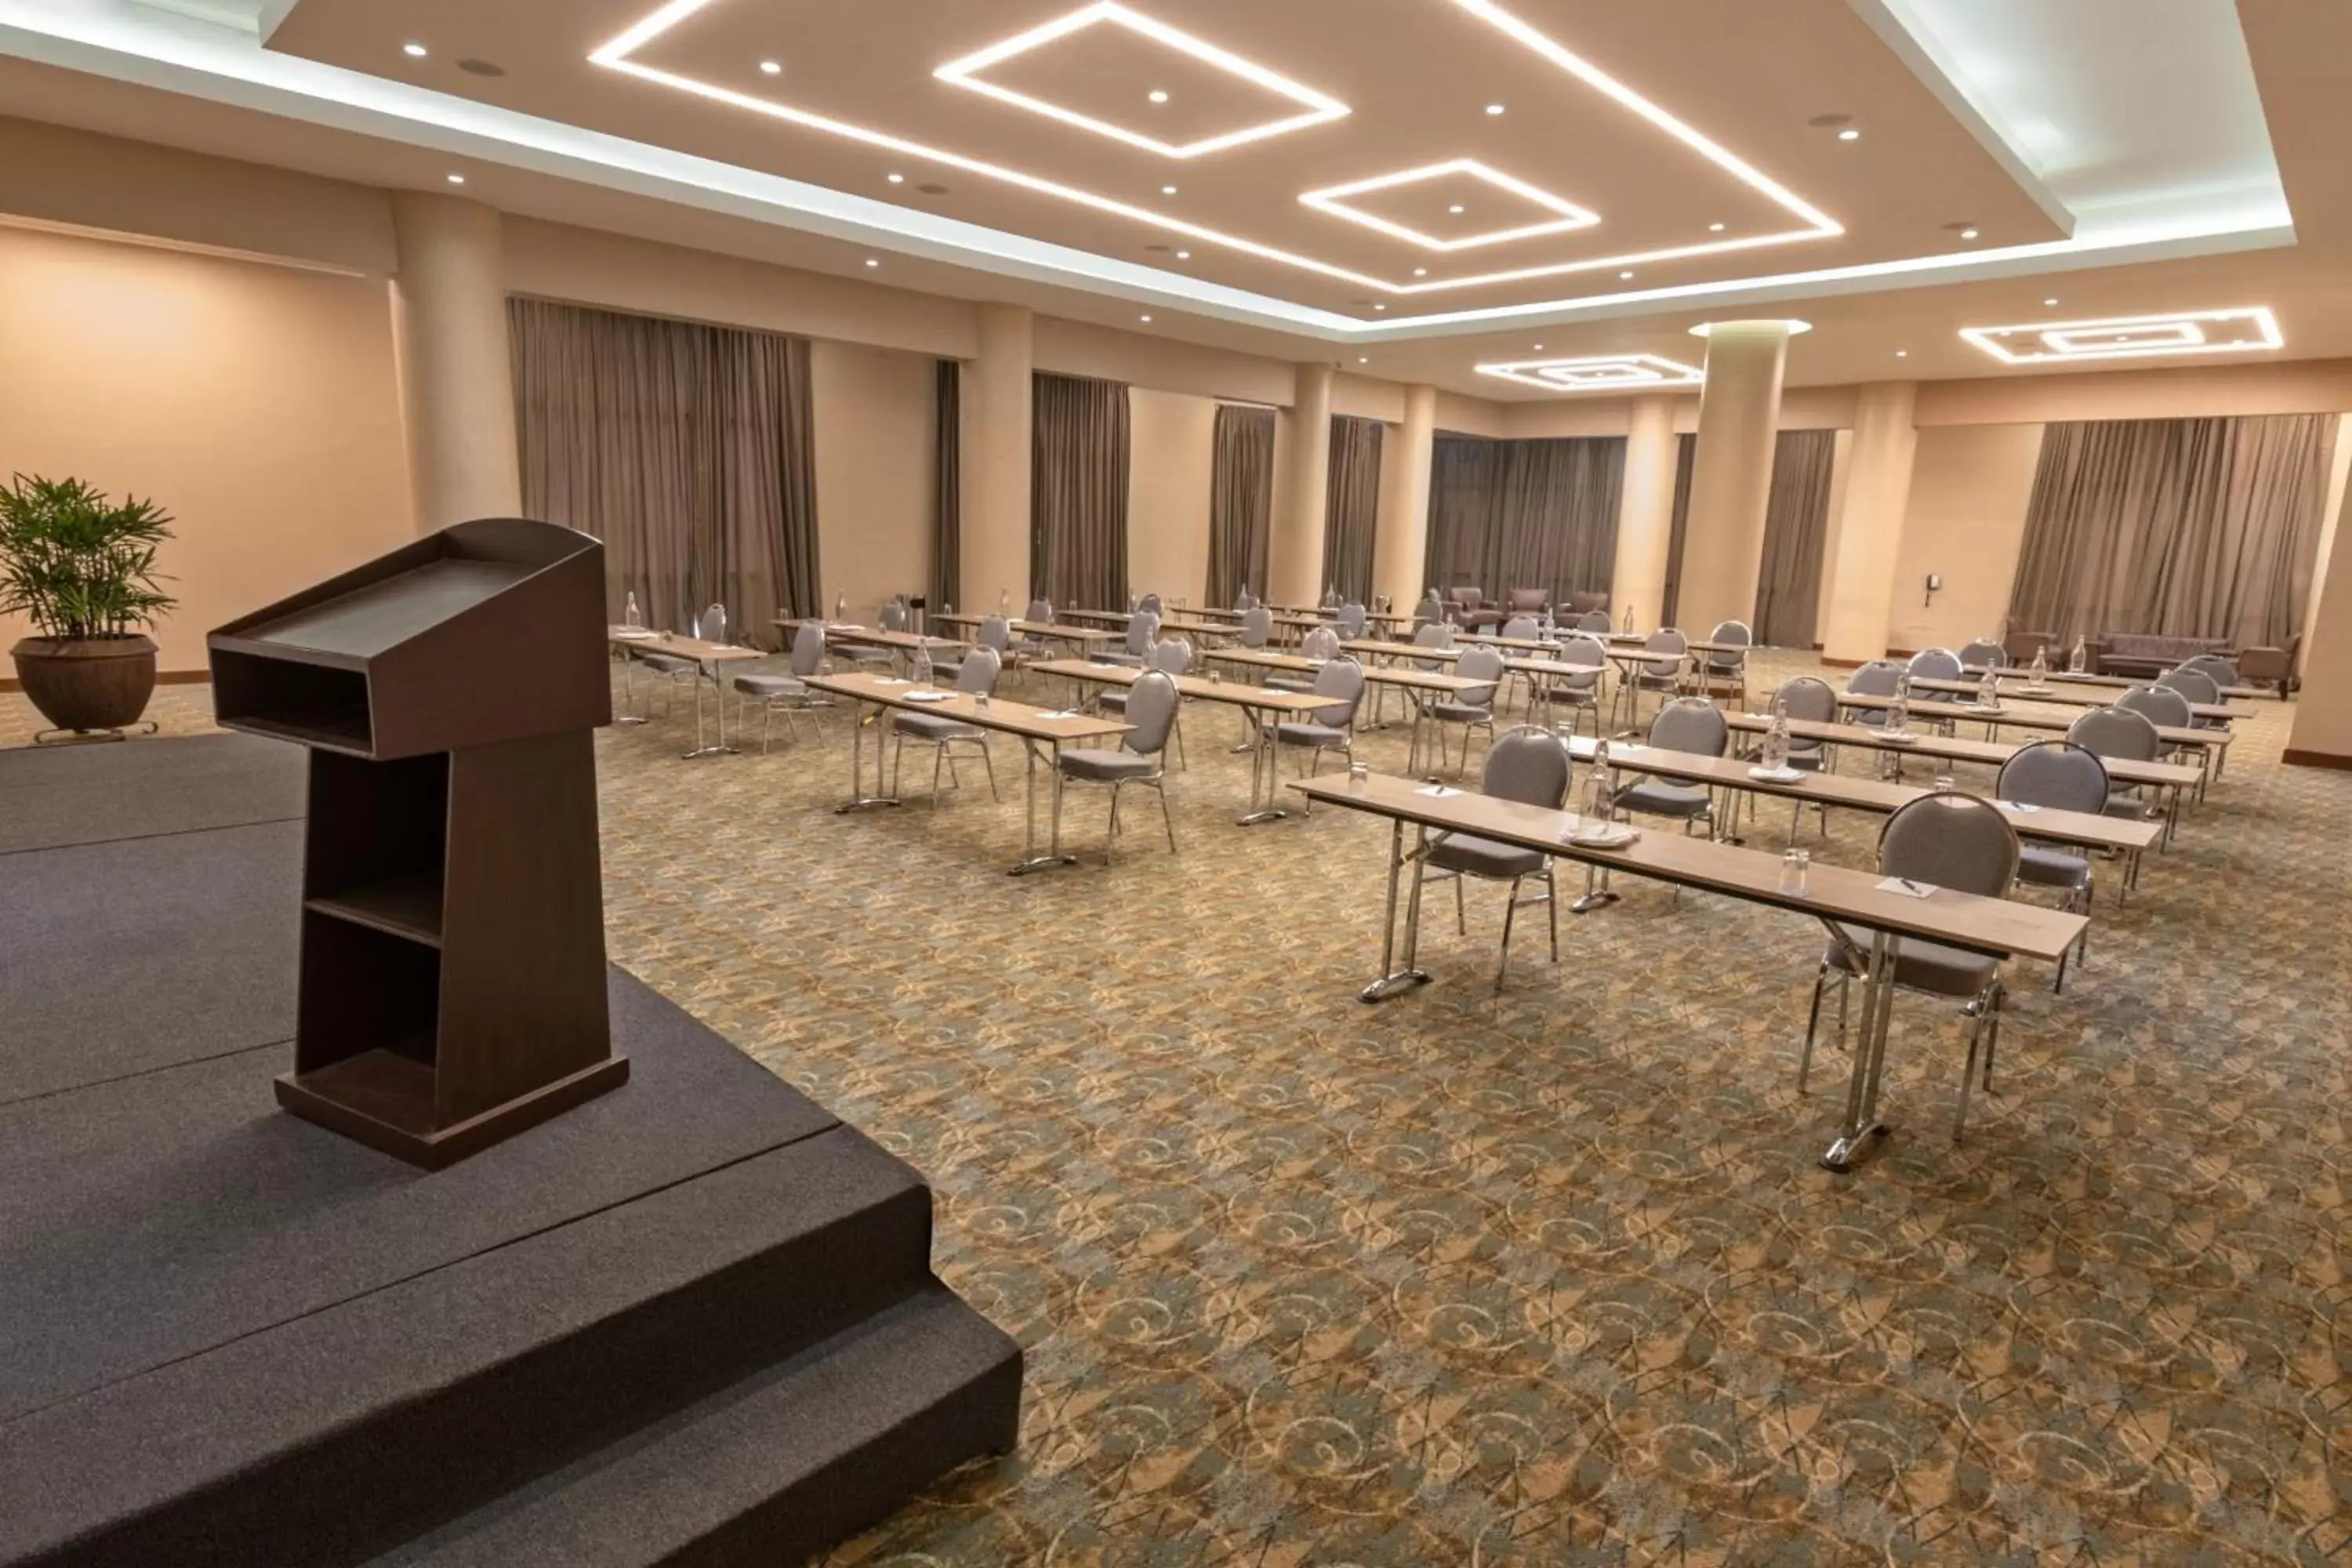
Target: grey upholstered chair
{"x": 1949, "y": 840}
{"x": 2220, "y": 670}
{"x": 1257, "y": 627}
{"x": 1472, "y": 708}
{"x": 1522, "y": 628}
{"x": 995, "y": 635}
{"x": 892, "y": 618}
{"x": 1532, "y": 767}
{"x": 2162, "y": 706}
{"x": 2120, "y": 734}
{"x": 1040, "y": 611}
{"x": 1245, "y": 601}
{"x": 1594, "y": 621}
{"x": 1140, "y": 759}
{"x": 786, "y": 694}
{"x": 1725, "y": 673}
{"x": 1983, "y": 653}
{"x": 1172, "y": 656}
{"x": 1333, "y": 726}
{"x": 1879, "y": 677}
{"x": 1935, "y": 664}
{"x": 2057, "y": 775}
{"x": 976, "y": 675}
{"x": 1320, "y": 644}
{"x": 1662, "y": 674}
{"x": 1580, "y": 692}
{"x": 1684, "y": 724}
{"x": 1807, "y": 699}
{"x": 1142, "y": 631}
{"x": 1352, "y": 619}
{"x": 1429, "y": 612}
{"x": 2197, "y": 686}
{"x": 1152, "y": 604}
{"x": 676, "y": 669}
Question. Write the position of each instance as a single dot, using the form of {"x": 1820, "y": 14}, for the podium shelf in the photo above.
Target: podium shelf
{"x": 399, "y": 906}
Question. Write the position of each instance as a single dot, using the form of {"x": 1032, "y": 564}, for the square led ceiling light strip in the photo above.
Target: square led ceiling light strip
{"x": 620, "y": 54}
{"x": 2176, "y": 334}
{"x": 1332, "y": 199}
{"x": 1601, "y": 372}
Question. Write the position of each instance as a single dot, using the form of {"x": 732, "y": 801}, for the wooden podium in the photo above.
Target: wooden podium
{"x": 453, "y": 989}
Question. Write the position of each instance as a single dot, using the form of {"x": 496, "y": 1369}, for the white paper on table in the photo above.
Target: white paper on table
{"x": 2017, "y": 806}
{"x": 1909, "y": 889}
{"x": 1440, "y": 791}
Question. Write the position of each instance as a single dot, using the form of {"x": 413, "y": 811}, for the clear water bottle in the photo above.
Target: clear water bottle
{"x": 924, "y": 673}
{"x": 632, "y": 617}
{"x": 1989, "y": 689}
{"x": 1776, "y": 738}
{"x": 2038, "y": 676}
{"x": 714, "y": 624}
{"x": 1898, "y": 717}
{"x": 1629, "y": 618}
{"x": 2076, "y": 661}
{"x": 841, "y": 609}
{"x": 1004, "y": 603}
{"x": 1603, "y": 782}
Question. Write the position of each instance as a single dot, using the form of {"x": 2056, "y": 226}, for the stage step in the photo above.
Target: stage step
{"x": 771, "y": 1470}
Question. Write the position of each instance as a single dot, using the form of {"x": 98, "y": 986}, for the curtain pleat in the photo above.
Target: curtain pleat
{"x": 1078, "y": 508}
{"x": 947, "y": 491}
{"x": 1796, "y": 533}
{"x": 1241, "y": 501}
{"x": 1686, "y": 464}
{"x": 1351, "y": 512}
{"x": 1524, "y": 514}
{"x": 2204, "y": 528}
{"x": 687, "y": 449}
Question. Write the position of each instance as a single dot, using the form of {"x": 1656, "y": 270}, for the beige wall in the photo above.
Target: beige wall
{"x": 1164, "y": 365}
{"x": 257, "y": 404}
{"x": 872, "y": 411}
{"x": 1970, "y": 487}
{"x": 1172, "y": 437}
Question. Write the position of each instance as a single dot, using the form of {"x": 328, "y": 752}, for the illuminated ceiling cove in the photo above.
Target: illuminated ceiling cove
{"x": 1601, "y": 372}
{"x": 2176, "y": 334}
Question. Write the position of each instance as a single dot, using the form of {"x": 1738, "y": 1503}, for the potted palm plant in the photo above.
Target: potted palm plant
{"x": 81, "y": 568}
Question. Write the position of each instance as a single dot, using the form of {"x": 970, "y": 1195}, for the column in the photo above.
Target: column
{"x": 1646, "y": 513}
{"x": 1400, "y": 548}
{"x": 999, "y": 408}
{"x": 457, "y": 380}
{"x": 1869, "y": 530}
{"x": 2322, "y": 735}
{"x": 1294, "y": 554}
{"x": 1731, "y": 482}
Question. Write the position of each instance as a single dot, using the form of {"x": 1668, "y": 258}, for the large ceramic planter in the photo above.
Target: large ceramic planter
{"x": 88, "y": 683}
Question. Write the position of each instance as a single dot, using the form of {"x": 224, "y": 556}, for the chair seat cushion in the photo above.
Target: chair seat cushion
{"x": 934, "y": 727}
{"x": 1649, "y": 682}
{"x": 1462, "y": 712}
{"x": 770, "y": 685}
{"x": 1300, "y": 732}
{"x": 666, "y": 663}
{"x": 2045, "y": 867}
{"x": 1105, "y": 767}
{"x": 2127, "y": 806}
{"x": 1483, "y": 857}
{"x": 1919, "y": 965}
{"x": 862, "y": 655}
{"x": 1660, "y": 798}
{"x": 1113, "y": 700}
{"x": 1287, "y": 683}
{"x": 1129, "y": 660}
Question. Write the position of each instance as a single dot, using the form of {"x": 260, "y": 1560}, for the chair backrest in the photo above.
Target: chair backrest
{"x": 1040, "y": 611}
{"x": 1172, "y": 656}
{"x": 2194, "y": 684}
{"x": 1691, "y": 724}
{"x": 1343, "y": 679}
{"x": 2059, "y": 774}
{"x": 1983, "y": 653}
{"x": 1152, "y": 603}
{"x": 1950, "y": 840}
{"x": 2117, "y": 732}
{"x": 1668, "y": 641}
{"x": 712, "y": 624}
{"x": 996, "y": 632}
{"x": 1141, "y": 627}
{"x": 1151, "y": 709}
{"x": 1352, "y": 619}
{"x": 1583, "y": 649}
{"x": 895, "y": 615}
{"x": 1527, "y": 765}
{"x": 1522, "y": 627}
{"x": 1469, "y": 598}
{"x": 1430, "y": 608}
{"x": 808, "y": 649}
{"x": 1879, "y": 677}
{"x": 1320, "y": 642}
{"x": 1810, "y": 699}
{"x": 1935, "y": 664}
{"x": 979, "y": 671}
{"x": 2162, "y": 706}
{"x": 2220, "y": 670}
{"x": 1594, "y": 621}
{"x": 1484, "y": 665}
{"x": 1526, "y": 601}
{"x": 1257, "y": 627}
{"x": 1738, "y": 634}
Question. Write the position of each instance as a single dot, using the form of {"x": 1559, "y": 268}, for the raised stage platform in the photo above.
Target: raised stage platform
{"x": 693, "y": 1321}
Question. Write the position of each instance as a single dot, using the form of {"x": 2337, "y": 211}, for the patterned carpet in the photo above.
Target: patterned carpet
{"x": 1551, "y": 1277}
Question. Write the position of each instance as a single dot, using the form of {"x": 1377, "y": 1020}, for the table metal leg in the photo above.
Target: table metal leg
{"x": 629, "y": 694}
{"x": 1862, "y": 1127}
{"x": 701, "y": 748}
{"x": 1030, "y": 859}
{"x": 1392, "y": 982}
{"x": 858, "y": 799}
{"x": 1266, "y": 762}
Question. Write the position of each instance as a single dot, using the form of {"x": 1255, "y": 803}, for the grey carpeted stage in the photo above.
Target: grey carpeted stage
{"x": 693, "y": 1321}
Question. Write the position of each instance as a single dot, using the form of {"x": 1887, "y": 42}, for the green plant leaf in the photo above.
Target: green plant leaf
{"x": 77, "y": 564}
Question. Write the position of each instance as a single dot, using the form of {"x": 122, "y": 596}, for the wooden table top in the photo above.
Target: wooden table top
{"x": 1036, "y": 629}
{"x": 2118, "y": 683}
{"x": 1384, "y": 674}
{"x": 1881, "y": 795}
{"x": 677, "y": 647}
{"x": 2016, "y": 718}
{"x": 1240, "y": 693}
{"x": 1619, "y": 642}
{"x": 1995, "y": 927}
{"x": 1001, "y": 713}
{"x": 1957, "y": 748}
{"x": 872, "y": 637}
{"x": 2058, "y": 696}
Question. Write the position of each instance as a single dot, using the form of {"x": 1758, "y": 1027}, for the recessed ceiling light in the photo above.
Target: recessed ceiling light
{"x": 1539, "y": 348}
{"x": 898, "y": 179}
{"x": 1715, "y": 228}
{"x": 1158, "y": 95}
{"x": 1494, "y": 109}
{"x": 2249, "y": 329}
{"x": 1628, "y": 273}
{"x": 1902, "y": 354}
{"x": 872, "y": 261}
{"x": 1184, "y": 256}
{"x": 414, "y": 51}
{"x": 1849, "y": 134}
{"x": 1421, "y": 272}
{"x": 1166, "y": 190}
{"x": 457, "y": 179}
{"x": 1967, "y": 234}
{"x": 772, "y": 68}
{"x": 1364, "y": 359}
{"x": 1455, "y": 209}
{"x": 1379, "y": 307}
{"x": 2052, "y": 302}
{"x": 1143, "y": 318}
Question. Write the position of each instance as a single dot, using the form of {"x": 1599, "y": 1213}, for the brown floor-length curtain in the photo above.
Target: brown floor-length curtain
{"x": 1241, "y": 501}
{"x": 1796, "y": 533}
{"x": 687, "y": 449}
{"x": 2203, "y": 528}
{"x": 947, "y": 486}
{"x": 1351, "y": 511}
{"x": 1686, "y": 464}
{"x": 1524, "y": 514}
{"x": 1077, "y": 497}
